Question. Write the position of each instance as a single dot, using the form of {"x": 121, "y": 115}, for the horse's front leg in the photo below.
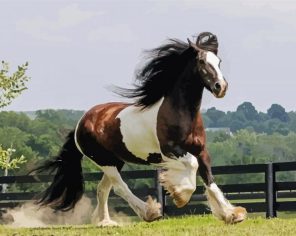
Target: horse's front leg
{"x": 148, "y": 211}
{"x": 220, "y": 206}
{"x": 179, "y": 177}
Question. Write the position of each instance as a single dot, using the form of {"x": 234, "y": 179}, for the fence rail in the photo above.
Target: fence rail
{"x": 270, "y": 196}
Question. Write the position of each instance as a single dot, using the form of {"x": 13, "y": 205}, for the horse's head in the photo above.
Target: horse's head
{"x": 208, "y": 64}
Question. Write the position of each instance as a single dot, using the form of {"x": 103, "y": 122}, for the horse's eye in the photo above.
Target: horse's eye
{"x": 202, "y": 62}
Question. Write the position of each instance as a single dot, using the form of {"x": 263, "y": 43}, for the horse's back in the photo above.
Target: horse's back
{"x": 102, "y": 116}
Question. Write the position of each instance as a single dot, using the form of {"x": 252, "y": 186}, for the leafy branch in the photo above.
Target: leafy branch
{"x": 12, "y": 85}
{"x": 6, "y": 160}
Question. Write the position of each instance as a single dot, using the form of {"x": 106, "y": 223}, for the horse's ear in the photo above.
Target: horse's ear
{"x": 193, "y": 45}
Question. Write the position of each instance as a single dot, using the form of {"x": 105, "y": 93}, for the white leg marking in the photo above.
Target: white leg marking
{"x": 222, "y": 208}
{"x": 101, "y": 212}
{"x": 179, "y": 178}
{"x": 148, "y": 211}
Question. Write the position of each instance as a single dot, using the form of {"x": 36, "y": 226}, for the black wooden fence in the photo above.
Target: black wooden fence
{"x": 268, "y": 196}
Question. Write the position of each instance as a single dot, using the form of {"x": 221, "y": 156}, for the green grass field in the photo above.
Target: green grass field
{"x": 193, "y": 225}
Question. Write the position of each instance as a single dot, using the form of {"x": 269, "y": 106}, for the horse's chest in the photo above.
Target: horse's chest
{"x": 138, "y": 129}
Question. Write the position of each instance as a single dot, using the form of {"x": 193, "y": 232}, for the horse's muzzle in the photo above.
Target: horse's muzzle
{"x": 219, "y": 88}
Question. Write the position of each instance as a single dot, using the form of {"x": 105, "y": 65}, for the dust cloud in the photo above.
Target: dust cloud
{"x": 31, "y": 215}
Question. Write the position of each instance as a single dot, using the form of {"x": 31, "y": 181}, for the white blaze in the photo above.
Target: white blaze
{"x": 214, "y": 61}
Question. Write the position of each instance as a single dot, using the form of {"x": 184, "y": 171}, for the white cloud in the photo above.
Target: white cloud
{"x": 282, "y": 6}
{"x": 71, "y": 15}
{"x": 116, "y": 33}
{"x": 232, "y": 8}
{"x": 42, "y": 28}
{"x": 273, "y": 20}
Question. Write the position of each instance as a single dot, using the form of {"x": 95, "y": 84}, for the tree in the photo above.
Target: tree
{"x": 12, "y": 85}
{"x": 248, "y": 110}
{"x": 8, "y": 163}
{"x": 276, "y": 111}
{"x": 214, "y": 115}
{"x": 238, "y": 121}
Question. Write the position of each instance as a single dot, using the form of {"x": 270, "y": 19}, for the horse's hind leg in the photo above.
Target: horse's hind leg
{"x": 101, "y": 213}
{"x": 148, "y": 211}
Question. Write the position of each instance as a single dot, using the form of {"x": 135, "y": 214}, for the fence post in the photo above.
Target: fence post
{"x": 160, "y": 192}
{"x": 270, "y": 193}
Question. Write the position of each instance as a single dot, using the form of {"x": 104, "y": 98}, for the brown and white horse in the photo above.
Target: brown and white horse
{"x": 163, "y": 127}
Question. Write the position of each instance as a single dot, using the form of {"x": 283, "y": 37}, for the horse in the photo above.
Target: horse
{"x": 162, "y": 126}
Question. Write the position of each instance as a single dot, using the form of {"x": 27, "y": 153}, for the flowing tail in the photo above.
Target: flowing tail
{"x": 68, "y": 185}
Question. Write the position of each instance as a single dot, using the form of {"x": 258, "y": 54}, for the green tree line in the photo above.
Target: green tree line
{"x": 275, "y": 120}
{"x": 36, "y": 138}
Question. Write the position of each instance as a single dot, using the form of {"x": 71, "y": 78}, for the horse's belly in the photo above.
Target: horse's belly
{"x": 138, "y": 129}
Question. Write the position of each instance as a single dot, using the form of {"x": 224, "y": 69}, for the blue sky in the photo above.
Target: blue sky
{"x": 77, "y": 48}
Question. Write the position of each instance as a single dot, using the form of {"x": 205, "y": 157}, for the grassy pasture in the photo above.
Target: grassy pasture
{"x": 191, "y": 225}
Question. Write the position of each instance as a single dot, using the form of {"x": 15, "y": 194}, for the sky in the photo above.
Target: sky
{"x": 76, "y": 49}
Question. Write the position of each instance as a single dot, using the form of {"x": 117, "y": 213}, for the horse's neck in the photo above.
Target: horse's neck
{"x": 178, "y": 114}
{"x": 176, "y": 121}
{"x": 187, "y": 94}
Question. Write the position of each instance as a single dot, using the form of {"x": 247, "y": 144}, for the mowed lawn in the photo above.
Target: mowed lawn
{"x": 192, "y": 225}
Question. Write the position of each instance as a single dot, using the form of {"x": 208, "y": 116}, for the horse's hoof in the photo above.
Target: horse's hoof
{"x": 107, "y": 223}
{"x": 152, "y": 210}
{"x": 238, "y": 215}
{"x": 180, "y": 199}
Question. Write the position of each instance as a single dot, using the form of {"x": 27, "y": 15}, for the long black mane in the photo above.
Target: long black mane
{"x": 158, "y": 76}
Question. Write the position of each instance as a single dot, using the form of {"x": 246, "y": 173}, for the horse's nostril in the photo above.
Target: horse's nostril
{"x": 217, "y": 86}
